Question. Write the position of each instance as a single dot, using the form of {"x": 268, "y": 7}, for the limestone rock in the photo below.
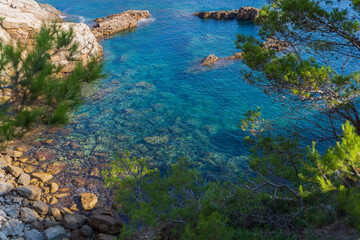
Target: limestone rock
{"x": 15, "y": 171}
{"x": 218, "y": 14}
{"x": 22, "y": 18}
{"x": 88, "y": 201}
{"x": 44, "y": 177}
{"x": 55, "y": 233}
{"x": 117, "y": 22}
{"x": 73, "y": 221}
{"x": 106, "y": 220}
{"x": 28, "y": 215}
{"x": 30, "y": 192}
{"x": 41, "y": 207}
{"x": 24, "y": 179}
{"x": 211, "y": 59}
{"x": 3, "y": 164}
{"x": 244, "y": 13}
{"x": 248, "y": 13}
{"x": 5, "y": 188}
{"x": 274, "y": 44}
{"x": 34, "y": 234}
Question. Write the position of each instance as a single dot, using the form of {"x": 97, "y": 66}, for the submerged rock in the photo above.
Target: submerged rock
{"x": 117, "y": 22}
{"x": 156, "y": 140}
{"x": 88, "y": 201}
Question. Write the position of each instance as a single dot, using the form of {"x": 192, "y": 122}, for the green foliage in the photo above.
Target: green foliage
{"x": 311, "y": 29}
{"x": 33, "y": 89}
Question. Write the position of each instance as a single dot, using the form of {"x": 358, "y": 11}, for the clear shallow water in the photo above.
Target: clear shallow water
{"x": 192, "y": 111}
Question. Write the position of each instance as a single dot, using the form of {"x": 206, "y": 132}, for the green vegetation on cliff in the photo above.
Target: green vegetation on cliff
{"x": 33, "y": 88}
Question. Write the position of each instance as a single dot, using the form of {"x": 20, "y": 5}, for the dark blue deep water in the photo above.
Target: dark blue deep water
{"x": 187, "y": 110}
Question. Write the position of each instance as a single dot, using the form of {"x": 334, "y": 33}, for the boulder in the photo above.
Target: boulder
{"x": 5, "y": 188}
{"x": 55, "y": 212}
{"x": 87, "y": 231}
{"x": 40, "y": 207}
{"x": 15, "y": 171}
{"x": 30, "y": 192}
{"x": 274, "y": 44}
{"x": 22, "y": 18}
{"x": 28, "y": 215}
{"x": 13, "y": 227}
{"x": 55, "y": 233}
{"x": 44, "y": 177}
{"x": 117, "y": 22}
{"x": 248, "y": 13}
{"x": 3, "y": 164}
{"x": 24, "y": 179}
{"x": 34, "y": 234}
{"x": 106, "y": 220}
{"x": 73, "y": 221}
{"x": 88, "y": 201}
{"x": 209, "y": 60}
{"x": 12, "y": 211}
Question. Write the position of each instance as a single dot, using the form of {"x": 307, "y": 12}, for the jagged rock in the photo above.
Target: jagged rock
{"x": 248, "y": 13}
{"x": 117, "y": 22}
{"x": 235, "y": 56}
{"x": 106, "y": 220}
{"x": 5, "y": 188}
{"x": 34, "y": 234}
{"x": 55, "y": 233}
{"x": 41, "y": 207}
{"x": 30, "y": 192}
{"x": 244, "y": 13}
{"x": 218, "y": 14}
{"x": 88, "y": 201}
{"x": 274, "y": 44}
{"x": 22, "y": 18}
{"x": 44, "y": 177}
{"x": 73, "y": 221}
{"x": 15, "y": 171}
{"x": 12, "y": 211}
{"x": 211, "y": 59}
{"x": 28, "y": 215}
{"x": 13, "y": 227}
{"x": 24, "y": 179}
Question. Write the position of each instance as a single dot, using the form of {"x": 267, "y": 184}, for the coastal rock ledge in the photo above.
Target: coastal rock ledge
{"x": 21, "y": 19}
{"x": 244, "y": 13}
{"x": 117, "y": 22}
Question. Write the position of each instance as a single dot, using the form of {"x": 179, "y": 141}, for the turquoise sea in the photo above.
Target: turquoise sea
{"x": 186, "y": 109}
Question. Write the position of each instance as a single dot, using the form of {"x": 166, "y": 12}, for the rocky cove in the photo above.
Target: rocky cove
{"x": 72, "y": 160}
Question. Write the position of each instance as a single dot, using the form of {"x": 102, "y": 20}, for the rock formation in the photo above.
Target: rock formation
{"x": 272, "y": 43}
{"x": 22, "y": 18}
{"x": 244, "y": 13}
{"x": 117, "y": 22}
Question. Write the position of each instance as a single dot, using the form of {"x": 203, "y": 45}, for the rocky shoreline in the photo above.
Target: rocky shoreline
{"x": 27, "y": 211}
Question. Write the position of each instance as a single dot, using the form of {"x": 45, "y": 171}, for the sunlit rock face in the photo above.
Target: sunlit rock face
{"x": 21, "y": 19}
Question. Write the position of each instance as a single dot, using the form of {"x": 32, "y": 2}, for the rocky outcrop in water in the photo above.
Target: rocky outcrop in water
{"x": 244, "y": 13}
{"x": 117, "y": 22}
{"x": 23, "y": 18}
{"x": 272, "y": 43}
